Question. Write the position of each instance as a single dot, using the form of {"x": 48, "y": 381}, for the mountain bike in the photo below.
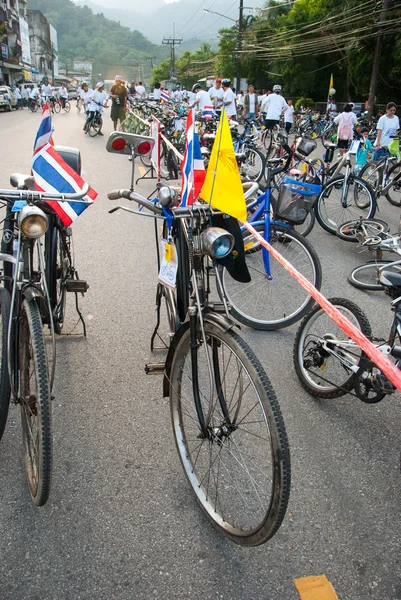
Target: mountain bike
{"x": 273, "y": 299}
{"x": 226, "y": 420}
{"x": 25, "y": 371}
{"x": 329, "y": 364}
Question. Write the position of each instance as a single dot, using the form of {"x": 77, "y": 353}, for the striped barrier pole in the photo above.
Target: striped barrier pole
{"x": 380, "y": 360}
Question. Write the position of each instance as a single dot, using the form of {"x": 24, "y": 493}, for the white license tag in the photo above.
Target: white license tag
{"x": 169, "y": 265}
{"x": 354, "y": 147}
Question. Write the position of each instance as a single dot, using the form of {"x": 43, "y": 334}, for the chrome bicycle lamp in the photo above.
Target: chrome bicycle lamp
{"x": 168, "y": 197}
{"x": 32, "y": 221}
{"x": 217, "y": 242}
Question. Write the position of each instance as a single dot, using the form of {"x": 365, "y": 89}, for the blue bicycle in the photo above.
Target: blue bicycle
{"x": 273, "y": 299}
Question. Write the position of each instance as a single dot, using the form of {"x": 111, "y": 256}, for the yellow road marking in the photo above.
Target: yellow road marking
{"x": 315, "y": 588}
{"x": 142, "y": 170}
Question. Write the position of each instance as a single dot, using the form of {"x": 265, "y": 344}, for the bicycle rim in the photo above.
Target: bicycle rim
{"x": 329, "y": 210}
{"x": 278, "y": 302}
{"x": 366, "y": 277}
{"x": 319, "y": 372}
{"x": 394, "y": 193}
{"x": 5, "y": 390}
{"x": 253, "y": 166}
{"x": 351, "y": 231}
{"x": 34, "y": 393}
{"x": 240, "y": 471}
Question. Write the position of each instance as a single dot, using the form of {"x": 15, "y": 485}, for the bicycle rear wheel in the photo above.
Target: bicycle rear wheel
{"x": 360, "y": 199}
{"x": 366, "y": 277}
{"x": 5, "y": 389}
{"x": 240, "y": 470}
{"x": 394, "y": 193}
{"x": 253, "y": 167}
{"x": 372, "y": 173}
{"x": 67, "y": 106}
{"x": 279, "y": 301}
{"x": 320, "y": 373}
{"x": 56, "y": 107}
{"x": 373, "y": 228}
{"x": 34, "y": 397}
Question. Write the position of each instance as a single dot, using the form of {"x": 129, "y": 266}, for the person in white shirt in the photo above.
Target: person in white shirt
{"x": 387, "y": 126}
{"x": 216, "y": 94}
{"x": 184, "y": 94}
{"x": 345, "y": 132}
{"x": 140, "y": 90}
{"x": 98, "y": 101}
{"x": 273, "y": 105}
{"x": 229, "y": 99}
{"x": 17, "y": 92}
{"x": 47, "y": 90}
{"x": 289, "y": 115}
{"x": 85, "y": 95}
{"x": 157, "y": 92}
{"x": 191, "y": 98}
{"x": 63, "y": 94}
{"x": 203, "y": 101}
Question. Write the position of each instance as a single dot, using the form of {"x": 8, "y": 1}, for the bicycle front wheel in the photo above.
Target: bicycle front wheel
{"x": 34, "y": 396}
{"x": 239, "y": 469}
{"x": 253, "y": 167}
{"x": 319, "y": 371}
{"x": 5, "y": 389}
{"x": 57, "y": 107}
{"x": 275, "y": 300}
{"x": 394, "y": 193}
{"x": 372, "y": 173}
{"x": 366, "y": 277}
{"x": 360, "y": 202}
{"x": 95, "y": 126}
{"x": 352, "y": 230}
{"x": 67, "y": 106}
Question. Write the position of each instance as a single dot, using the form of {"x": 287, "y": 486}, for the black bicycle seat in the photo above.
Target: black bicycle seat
{"x": 390, "y": 279}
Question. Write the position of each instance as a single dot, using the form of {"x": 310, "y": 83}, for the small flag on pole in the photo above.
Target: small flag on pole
{"x": 192, "y": 167}
{"x": 165, "y": 95}
{"x": 44, "y": 135}
{"x": 223, "y": 187}
{"x": 53, "y": 174}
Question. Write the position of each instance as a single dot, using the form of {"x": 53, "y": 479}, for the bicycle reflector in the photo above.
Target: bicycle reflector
{"x": 144, "y": 148}
{"x": 32, "y": 221}
{"x": 217, "y": 242}
{"x": 121, "y": 142}
{"x": 118, "y": 144}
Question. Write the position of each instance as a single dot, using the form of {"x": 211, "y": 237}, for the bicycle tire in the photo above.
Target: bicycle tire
{"x": 310, "y": 357}
{"x": 95, "y": 126}
{"x": 394, "y": 199}
{"x": 328, "y": 136}
{"x": 78, "y": 108}
{"x": 252, "y": 454}
{"x": 56, "y": 107}
{"x": 57, "y": 271}
{"x": 33, "y": 107}
{"x": 374, "y": 228}
{"x": 67, "y": 106}
{"x": 253, "y": 167}
{"x": 330, "y": 213}
{"x": 372, "y": 173}
{"x": 35, "y": 403}
{"x": 366, "y": 277}
{"x": 5, "y": 388}
{"x": 270, "y": 304}
{"x": 306, "y": 227}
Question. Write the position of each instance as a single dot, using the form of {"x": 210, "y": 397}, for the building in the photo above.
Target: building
{"x": 10, "y": 41}
{"x": 43, "y": 42}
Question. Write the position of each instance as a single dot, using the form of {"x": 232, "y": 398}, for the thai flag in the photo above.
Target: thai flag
{"x": 44, "y": 135}
{"x": 165, "y": 95}
{"x": 207, "y": 112}
{"x": 52, "y": 174}
{"x": 192, "y": 167}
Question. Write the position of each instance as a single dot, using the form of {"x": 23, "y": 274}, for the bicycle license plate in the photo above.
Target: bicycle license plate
{"x": 18, "y": 205}
{"x": 169, "y": 265}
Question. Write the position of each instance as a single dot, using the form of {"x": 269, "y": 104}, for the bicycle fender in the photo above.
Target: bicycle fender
{"x": 32, "y": 293}
{"x": 215, "y": 319}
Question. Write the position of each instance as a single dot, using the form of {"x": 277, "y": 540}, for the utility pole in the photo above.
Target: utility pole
{"x": 376, "y": 60}
{"x": 239, "y": 44}
{"x": 173, "y": 42}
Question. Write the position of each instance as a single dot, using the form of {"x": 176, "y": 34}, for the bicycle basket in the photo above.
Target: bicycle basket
{"x": 296, "y": 200}
{"x": 305, "y": 146}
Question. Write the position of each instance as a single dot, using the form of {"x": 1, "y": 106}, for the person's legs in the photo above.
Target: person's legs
{"x": 287, "y": 126}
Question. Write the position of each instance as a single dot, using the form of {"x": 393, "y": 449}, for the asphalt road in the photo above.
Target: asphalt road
{"x": 121, "y": 522}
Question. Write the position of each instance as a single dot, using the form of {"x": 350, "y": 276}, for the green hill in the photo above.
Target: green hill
{"x": 112, "y": 48}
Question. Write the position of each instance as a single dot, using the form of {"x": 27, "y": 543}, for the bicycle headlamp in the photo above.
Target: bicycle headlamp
{"x": 217, "y": 242}
{"x": 32, "y": 221}
{"x": 168, "y": 197}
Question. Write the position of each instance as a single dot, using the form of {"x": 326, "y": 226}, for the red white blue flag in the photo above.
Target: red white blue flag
{"x": 192, "y": 167}
{"x": 52, "y": 174}
{"x": 44, "y": 135}
{"x": 165, "y": 95}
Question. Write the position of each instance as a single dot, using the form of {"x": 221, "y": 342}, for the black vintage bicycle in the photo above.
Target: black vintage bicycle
{"x": 27, "y": 368}
{"x": 227, "y": 423}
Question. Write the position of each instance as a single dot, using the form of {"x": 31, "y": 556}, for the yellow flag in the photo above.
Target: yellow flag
{"x": 331, "y": 86}
{"x": 223, "y": 188}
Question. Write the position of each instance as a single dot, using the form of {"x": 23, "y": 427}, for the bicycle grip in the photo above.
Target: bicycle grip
{"x": 114, "y": 195}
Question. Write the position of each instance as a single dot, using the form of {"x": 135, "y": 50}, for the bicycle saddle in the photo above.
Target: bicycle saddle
{"x": 390, "y": 279}
{"x": 22, "y": 182}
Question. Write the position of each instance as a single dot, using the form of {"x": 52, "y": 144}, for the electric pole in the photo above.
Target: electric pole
{"x": 376, "y": 60}
{"x": 239, "y": 44}
{"x": 173, "y": 42}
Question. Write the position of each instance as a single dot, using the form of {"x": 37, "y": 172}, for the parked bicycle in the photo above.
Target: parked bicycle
{"x": 227, "y": 423}
{"x": 385, "y": 176}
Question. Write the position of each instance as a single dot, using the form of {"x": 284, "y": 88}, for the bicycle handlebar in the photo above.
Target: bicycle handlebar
{"x": 34, "y": 196}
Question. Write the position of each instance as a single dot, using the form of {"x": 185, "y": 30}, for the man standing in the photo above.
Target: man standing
{"x": 118, "y": 94}
{"x": 216, "y": 94}
{"x": 203, "y": 101}
{"x": 140, "y": 90}
{"x": 229, "y": 99}
{"x": 250, "y": 103}
{"x": 273, "y": 105}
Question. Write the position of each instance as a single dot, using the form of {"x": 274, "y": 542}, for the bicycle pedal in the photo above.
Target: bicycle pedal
{"x": 155, "y": 368}
{"x": 76, "y": 285}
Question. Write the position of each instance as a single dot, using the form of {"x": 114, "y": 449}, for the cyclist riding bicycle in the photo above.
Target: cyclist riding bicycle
{"x": 63, "y": 95}
{"x": 272, "y": 107}
{"x": 98, "y": 101}
{"x": 85, "y": 93}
